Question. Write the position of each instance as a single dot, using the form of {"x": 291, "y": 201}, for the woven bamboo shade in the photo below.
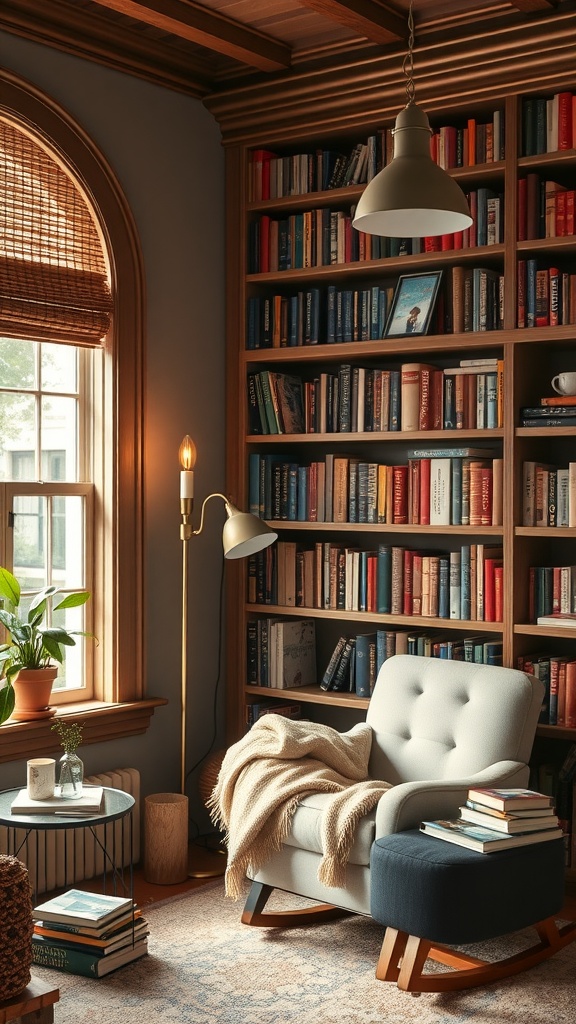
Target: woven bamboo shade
{"x": 53, "y": 274}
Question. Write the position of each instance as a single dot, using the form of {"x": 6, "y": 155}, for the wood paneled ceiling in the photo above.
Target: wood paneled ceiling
{"x": 203, "y": 48}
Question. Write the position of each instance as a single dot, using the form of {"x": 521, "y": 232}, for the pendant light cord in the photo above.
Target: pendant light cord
{"x": 408, "y": 62}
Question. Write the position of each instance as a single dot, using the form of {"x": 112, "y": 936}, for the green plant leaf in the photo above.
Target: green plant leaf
{"x": 61, "y": 636}
{"x": 40, "y": 597}
{"x": 53, "y": 648}
{"x": 6, "y": 702}
{"x": 72, "y": 601}
{"x": 9, "y": 587}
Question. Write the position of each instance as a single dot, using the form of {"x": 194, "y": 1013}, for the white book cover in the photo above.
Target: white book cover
{"x": 440, "y": 476}
{"x": 91, "y": 800}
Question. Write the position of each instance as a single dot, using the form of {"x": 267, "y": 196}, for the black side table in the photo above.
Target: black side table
{"x": 117, "y": 805}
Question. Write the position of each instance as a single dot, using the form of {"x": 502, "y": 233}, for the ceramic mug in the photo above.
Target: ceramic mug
{"x": 41, "y": 778}
{"x": 564, "y": 383}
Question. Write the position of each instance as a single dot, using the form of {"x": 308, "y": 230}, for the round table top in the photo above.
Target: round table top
{"x": 116, "y": 805}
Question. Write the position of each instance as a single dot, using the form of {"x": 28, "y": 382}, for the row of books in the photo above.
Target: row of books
{"x": 548, "y": 416}
{"x": 546, "y": 295}
{"x": 465, "y": 584}
{"x": 548, "y": 123}
{"x": 558, "y": 674}
{"x": 545, "y": 208}
{"x": 356, "y": 399}
{"x": 438, "y": 490}
{"x": 314, "y": 316}
{"x": 549, "y": 492}
{"x": 470, "y": 299}
{"x": 87, "y": 933}
{"x": 254, "y": 710}
{"x": 323, "y": 237}
{"x": 355, "y": 661}
{"x": 281, "y": 653}
{"x": 551, "y": 590}
{"x": 499, "y": 819}
{"x": 273, "y": 175}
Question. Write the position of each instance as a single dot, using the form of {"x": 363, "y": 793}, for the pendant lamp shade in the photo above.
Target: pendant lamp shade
{"x": 412, "y": 196}
{"x": 244, "y": 534}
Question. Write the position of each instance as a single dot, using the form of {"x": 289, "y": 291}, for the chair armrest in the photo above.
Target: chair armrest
{"x": 407, "y": 804}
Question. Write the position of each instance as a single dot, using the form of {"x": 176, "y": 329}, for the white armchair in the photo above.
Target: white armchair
{"x": 439, "y": 728}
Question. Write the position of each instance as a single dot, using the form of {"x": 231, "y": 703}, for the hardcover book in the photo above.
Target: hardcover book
{"x": 90, "y": 801}
{"x": 81, "y": 908}
{"x": 510, "y": 799}
{"x": 483, "y": 840}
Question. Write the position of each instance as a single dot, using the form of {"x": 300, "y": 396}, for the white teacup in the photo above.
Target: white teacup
{"x": 564, "y": 383}
{"x": 41, "y": 777}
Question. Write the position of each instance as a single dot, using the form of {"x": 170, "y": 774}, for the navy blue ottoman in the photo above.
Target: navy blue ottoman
{"x": 427, "y": 891}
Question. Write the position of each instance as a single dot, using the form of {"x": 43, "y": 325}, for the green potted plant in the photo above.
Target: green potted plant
{"x": 27, "y": 660}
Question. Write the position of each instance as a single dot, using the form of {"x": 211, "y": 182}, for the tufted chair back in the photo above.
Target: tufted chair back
{"x": 435, "y": 719}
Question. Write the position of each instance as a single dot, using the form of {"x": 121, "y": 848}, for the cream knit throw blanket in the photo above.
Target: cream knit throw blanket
{"x": 266, "y": 774}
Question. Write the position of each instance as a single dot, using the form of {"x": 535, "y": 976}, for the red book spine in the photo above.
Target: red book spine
{"x": 414, "y": 491}
{"x": 400, "y": 494}
{"x": 565, "y": 139}
{"x": 570, "y": 698}
{"x": 498, "y": 593}
{"x": 486, "y": 496}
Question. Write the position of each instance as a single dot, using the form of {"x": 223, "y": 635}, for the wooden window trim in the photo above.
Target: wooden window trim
{"x": 121, "y": 708}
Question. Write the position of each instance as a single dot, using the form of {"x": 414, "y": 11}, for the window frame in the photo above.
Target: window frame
{"x": 120, "y": 707}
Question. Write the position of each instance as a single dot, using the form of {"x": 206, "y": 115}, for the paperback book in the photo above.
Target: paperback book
{"x": 510, "y": 799}
{"x": 82, "y": 908}
{"x": 90, "y": 802}
{"x": 483, "y": 840}
{"x": 508, "y": 823}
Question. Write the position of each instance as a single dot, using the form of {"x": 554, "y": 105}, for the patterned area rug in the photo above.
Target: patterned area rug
{"x": 204, "y": 967}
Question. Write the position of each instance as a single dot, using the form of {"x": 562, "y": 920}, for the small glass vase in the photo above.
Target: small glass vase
{"x": 70, "y": 776}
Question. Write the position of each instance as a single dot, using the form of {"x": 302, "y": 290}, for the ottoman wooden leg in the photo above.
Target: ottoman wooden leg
{"x": 468, "y": 971}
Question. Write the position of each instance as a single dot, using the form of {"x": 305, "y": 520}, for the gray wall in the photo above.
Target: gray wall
{"x": 165, "y": 149}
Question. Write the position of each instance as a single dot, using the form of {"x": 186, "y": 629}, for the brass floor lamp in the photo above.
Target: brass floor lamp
{"x": 243, "y": 535}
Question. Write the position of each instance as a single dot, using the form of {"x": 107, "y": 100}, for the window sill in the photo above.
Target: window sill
{"x": 100, "y": 722}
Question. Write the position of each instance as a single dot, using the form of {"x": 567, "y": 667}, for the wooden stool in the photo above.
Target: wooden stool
{"x": 35, "y": 1005}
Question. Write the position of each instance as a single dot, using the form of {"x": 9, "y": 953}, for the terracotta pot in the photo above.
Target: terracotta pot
{"x": 32, "y": 689}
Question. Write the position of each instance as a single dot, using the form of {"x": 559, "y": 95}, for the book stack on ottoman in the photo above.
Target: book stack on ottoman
{"x": 499, "y": 819}
{"x": 88, "y": 933}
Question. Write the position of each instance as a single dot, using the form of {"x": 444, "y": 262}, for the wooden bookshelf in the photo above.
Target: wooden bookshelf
{"x": 296, "y": 117}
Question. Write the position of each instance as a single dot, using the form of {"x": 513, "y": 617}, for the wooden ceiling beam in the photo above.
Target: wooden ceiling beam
{"x": 370, "y": 19}
{"x": 197, "y": 24}
{"x": 534, "y": 5}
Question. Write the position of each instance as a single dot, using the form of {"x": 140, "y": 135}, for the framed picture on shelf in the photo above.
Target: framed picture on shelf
{"x": 413, "y": 304}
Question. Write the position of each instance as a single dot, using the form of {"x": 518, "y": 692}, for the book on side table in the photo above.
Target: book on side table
{"x": 89, "y": 803}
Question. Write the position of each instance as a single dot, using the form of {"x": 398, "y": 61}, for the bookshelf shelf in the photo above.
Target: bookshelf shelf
{"x": 530, "y": 357}
{"x": 311, "y": 695}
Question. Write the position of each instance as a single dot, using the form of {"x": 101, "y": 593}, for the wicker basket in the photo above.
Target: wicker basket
{"x": 15, "y": 927}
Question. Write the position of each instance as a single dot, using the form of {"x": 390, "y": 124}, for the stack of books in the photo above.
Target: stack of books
{"x": 87, "y": 933}
{"x": 90, "y": 803}
{"x": 498, "y": 819}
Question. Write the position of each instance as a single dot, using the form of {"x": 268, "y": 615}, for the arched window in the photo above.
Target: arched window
{"x": 71, "y": 397}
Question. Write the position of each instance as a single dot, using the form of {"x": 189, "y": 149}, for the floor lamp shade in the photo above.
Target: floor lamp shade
{"x": 412, "y": 196}
{"x": 244, "y": 534}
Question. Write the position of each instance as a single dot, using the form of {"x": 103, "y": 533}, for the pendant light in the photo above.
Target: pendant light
{"x": 412, "y": 196}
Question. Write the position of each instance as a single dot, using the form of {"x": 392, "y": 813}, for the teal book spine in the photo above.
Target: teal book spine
{"x": 384, "y": 579}
{"x": 456, "y": 492}
{"x": 465, "y": 581}
{"x": 254, "y": 483}
{"x": 362, "y": 658}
